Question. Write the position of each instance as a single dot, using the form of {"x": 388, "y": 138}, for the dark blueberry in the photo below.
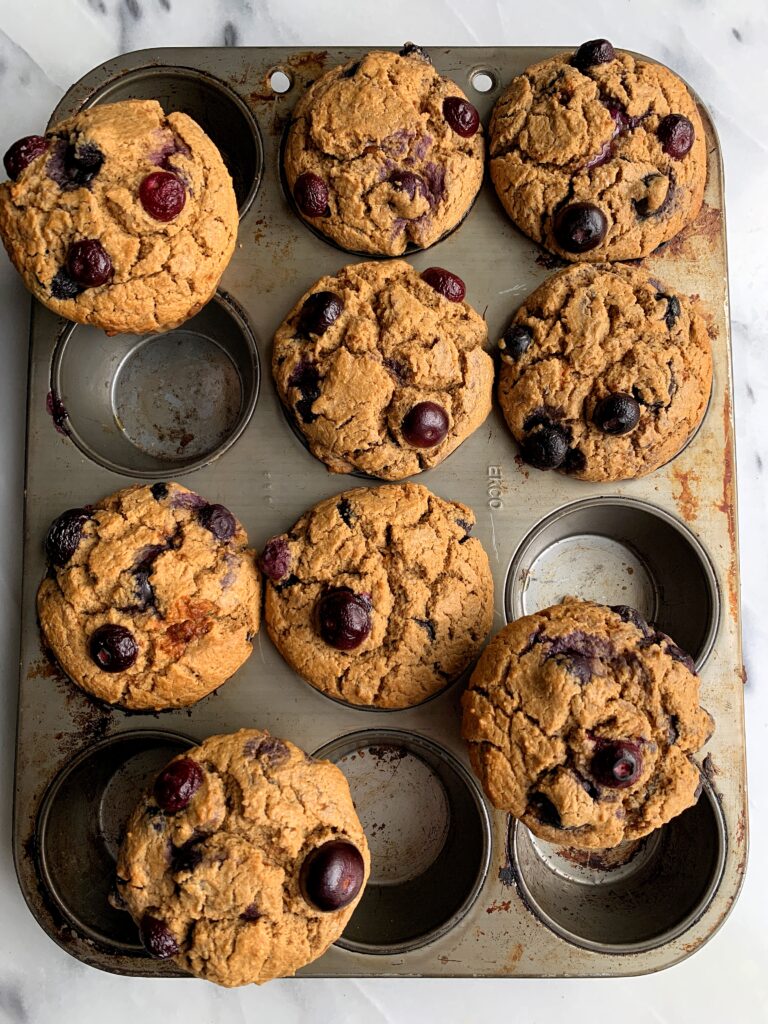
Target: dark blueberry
{"x": 88, "y": 263}
{"x": 351, "y": 71}
{"x": 676, "y": 135}
{"x": 311, "y": 195}
{"x": 343, "y": 618}
{"x": 64, "y": 535}
{"x": 617, "y": 413}
{"x": 162, "y": 195}
{"x": 81, "y": 164}
{"x": 408, "y": 182}
{"x": 332, "y": 875}
{"x": 449, "y": 285}
{"x": 145, "y": 595}
{"x": 627, "y": 614}
{"x": 425, "y": 425}
{"x": 319, "y": 312}
{"x": 461, "y": 116}
{"x": 219, "y": 520}
{"x": 157, "y": 938}
{"x": 673, "y": 309}
{"x": 159, "y": 491}
{"x": 306, "y": 377}
{"x": 22, "y": 153}
{"x": 515, "y": 341}
{"x": 275, "y": 559}
{"x": 251, "y": 913}
{"x": 344, "y": 508}
{"x": 63, "y": 287}
{"x": 545, "y": 810}
{"x": 428, "y": 625}
{"x": 412, "y": 50}
{"x": 270, "y": 747}
{"x": 580, "y": 227}
{"x": 113, "y": 648}
{"x": 596, "y": 51}
{"x": 617, "y": 763}
{"x": 188, "y": 856}
{"x": 545, "y": 448}
{"x": 177, "y": 784}
{"x": 678, "y": 654}
{"x": 575, "y": 461}
{"x": 397, "y": 369}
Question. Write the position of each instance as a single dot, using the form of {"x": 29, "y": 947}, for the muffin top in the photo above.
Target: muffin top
{"x": 383, "y": 153}
{"x": 605, "y": 373}
{"x": 245, "y": 861}
{"x": 152, "y": 596}
{"x": 121, "y": 216}
{"x": 581, "y": 721}
{"x": 598, "y": 155}
{"x": 380, "y": 371}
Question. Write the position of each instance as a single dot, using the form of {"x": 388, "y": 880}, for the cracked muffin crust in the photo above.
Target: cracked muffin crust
{"x": 211, "y": 867}
{"x": 581, "y": 721}
{"x": 601, "y": 129}
{"x": 384, "y": 152}
{"x": 379, "y": 596}
{"x": 152, "y": 596}
{"x": 605, "y": 373}
{"x": 125, "y": 219}
{"x": 355, "y": 372}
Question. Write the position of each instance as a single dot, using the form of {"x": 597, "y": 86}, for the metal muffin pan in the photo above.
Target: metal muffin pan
{"x": 458, "y": 889}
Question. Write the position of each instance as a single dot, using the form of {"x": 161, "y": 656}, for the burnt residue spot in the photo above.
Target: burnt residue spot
{"x": 549, "y": 261}
{"x": 543, "y": 808}
{"x": 507, "y": 874}
{"x": 273, "y": 750}
{"x": 55, "y": 409}
{"x": 306, "y": 378}
{"x": 230, "y": 34}
{"x": 386, "y": 753}
{"x": 344, "y": 508}
{"x": 429, "y": 626}
{"x": 673, "y": 308}
{"x": 413, "y": 50}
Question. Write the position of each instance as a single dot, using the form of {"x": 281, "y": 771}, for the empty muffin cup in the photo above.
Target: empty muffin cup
{"x": 631, "y": 899}
{"x": 620, "y": 551}
{"x": 222, "y": 115}
{"x": 158, "y": 405}
{"x": 80, "y": 827}
{"x": 429, "y": 834}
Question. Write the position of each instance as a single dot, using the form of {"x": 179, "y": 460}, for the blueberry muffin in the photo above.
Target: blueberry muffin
{"x": 245, "y": 861}
{"x": 120, "y": 217}
{"x": 581, "y": 721}
{"x": 598, "y": 155}
{"x": 152, "y": 597}
{"x": 379, "y": 596}
{"x": 605, "y": 373}
{"x": 383, "y": 369}
{"x": 383, "y": 153}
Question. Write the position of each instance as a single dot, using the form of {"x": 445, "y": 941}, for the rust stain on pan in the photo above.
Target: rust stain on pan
{"x": 495, "y": 907}
{"x": 513, "y": 958}
{"x": 686, "y": 497}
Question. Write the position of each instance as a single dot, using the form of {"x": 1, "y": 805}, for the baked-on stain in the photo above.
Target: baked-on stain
{"x": 57, "y": 412}
{"x": 686, "y": 497}
{"x": 513, "y": 957}
{"x": 708, "y": 226}
{"x": 728, "y": 507}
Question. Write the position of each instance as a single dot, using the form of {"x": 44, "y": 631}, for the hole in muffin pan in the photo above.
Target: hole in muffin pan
{"x": 429, "y": 833}
{"x": 223, "y": 116}
{"x": 280, "y": 81}
{"x": 162, "y": 404}
{"x": 483, "y": 80}
{"x": 80, "y": 824}
{"x": 620, "y": 551}
{"x": 607, "y": 903}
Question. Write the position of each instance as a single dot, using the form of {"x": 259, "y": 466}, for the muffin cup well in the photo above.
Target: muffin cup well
{"x": 610, "y": 903}
{"x": 429, "y": 833}
{"x": 158, "y": 405}
{"x": 221, "y": 114}
{"x": 620, "y": 551}
{"x": 80, "y": 825}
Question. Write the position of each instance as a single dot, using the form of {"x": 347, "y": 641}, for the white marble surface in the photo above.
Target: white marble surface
{"x": 722, "y": 49}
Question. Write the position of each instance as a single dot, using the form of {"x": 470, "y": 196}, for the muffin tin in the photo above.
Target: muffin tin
{"x": 457, "y": 889}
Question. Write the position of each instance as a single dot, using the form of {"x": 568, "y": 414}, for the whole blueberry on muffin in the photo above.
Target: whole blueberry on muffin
{"x": 605, "y": 373}
{"x": 582, "y": 721}
{"x": 379, "y": 596}
{"x": 382, "y": 369}
{"x": 383, "y": 153}
{"x": 598, "y": 155}
{"x": 121, "y": 216}
{"x": 152, "y": 597}
{"x": 240, "y": 891}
